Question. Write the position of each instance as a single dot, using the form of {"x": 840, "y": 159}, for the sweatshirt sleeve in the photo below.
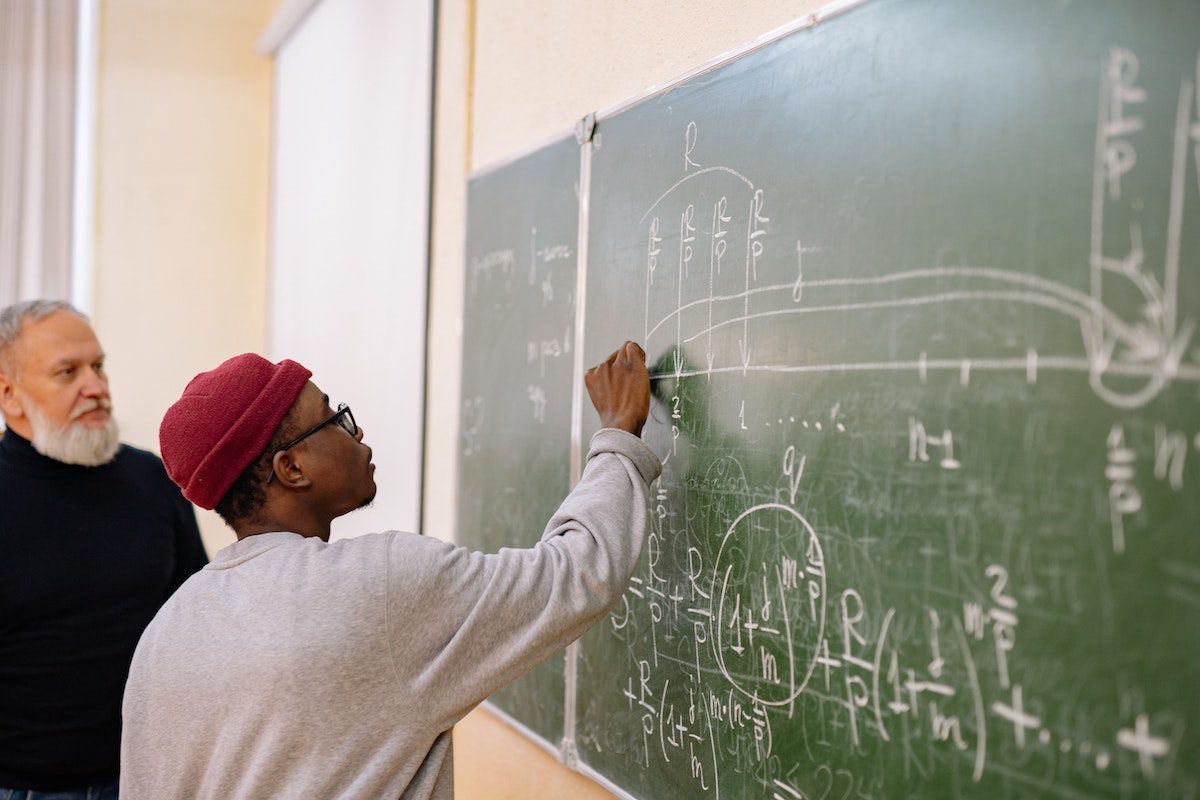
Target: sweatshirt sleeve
{"x": 461, "y": 624}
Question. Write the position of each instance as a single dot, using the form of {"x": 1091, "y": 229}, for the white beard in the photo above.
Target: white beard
{"x": 74, "y": 443}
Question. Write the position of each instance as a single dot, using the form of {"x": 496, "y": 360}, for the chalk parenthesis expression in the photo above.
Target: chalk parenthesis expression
{"x": 789, "y": 637}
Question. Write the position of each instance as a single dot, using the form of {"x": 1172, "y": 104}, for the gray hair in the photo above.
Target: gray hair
{"x": 14, "y": 317}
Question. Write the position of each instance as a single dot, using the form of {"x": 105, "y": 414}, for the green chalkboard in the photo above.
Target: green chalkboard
{"x": 920, "y": 285}
{"x": 518, "y": 339}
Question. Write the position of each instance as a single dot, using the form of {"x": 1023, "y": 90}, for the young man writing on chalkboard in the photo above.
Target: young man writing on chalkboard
{"x": 292, "y": 667}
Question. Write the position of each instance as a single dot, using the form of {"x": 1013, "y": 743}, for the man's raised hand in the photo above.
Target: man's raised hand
{"x": 620, "y": 389}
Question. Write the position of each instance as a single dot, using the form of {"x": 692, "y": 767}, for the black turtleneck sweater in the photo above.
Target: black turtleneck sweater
{"x": 87, "y": 557}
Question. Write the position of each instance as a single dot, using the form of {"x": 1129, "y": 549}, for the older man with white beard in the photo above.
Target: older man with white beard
{"x": 94, "y": 537}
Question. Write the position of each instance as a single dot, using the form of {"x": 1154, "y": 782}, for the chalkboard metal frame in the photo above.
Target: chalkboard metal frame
{"x": 822, "y": 14}
{"x": 515, "y": 156}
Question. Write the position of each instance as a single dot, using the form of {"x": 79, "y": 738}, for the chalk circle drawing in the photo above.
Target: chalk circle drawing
{"x": 768, "y": 603}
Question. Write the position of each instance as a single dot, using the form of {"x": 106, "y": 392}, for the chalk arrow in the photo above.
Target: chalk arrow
{"x": 1178, "y": 347}
{"x": 745, "y": 348}
{"x": 1145, "y": 345}
{"x": 711, "y": 358}
{"x": 1099, "y": 346}
{"x": 798, "y": 287}
{"x": 677, "y": 357}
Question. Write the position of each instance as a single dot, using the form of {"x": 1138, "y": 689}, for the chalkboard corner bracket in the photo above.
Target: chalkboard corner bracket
{"x": 568, "y": 753}
{"x": 584, "y": 129}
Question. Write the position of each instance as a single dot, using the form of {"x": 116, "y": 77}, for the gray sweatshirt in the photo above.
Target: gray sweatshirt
{"x": 295, "y": 668}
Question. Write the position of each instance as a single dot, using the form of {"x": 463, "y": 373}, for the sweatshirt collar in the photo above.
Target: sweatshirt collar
{"x": 243, "y": 550}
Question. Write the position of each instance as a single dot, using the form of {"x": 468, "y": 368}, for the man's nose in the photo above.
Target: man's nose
{"x": 358, "y": 434}
{"x": 95, "y": 384}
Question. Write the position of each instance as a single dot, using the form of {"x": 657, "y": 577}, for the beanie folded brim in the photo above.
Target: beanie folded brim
{"x": 207, "y": 403}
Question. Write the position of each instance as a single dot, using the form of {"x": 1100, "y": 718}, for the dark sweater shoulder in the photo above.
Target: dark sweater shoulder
{"x": 136, "y": 458}
{"x": 145, "y": 466}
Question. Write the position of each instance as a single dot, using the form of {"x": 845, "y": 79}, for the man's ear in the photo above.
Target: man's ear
{"x": 9, "y": 403}
{"x": 289, "y": 471}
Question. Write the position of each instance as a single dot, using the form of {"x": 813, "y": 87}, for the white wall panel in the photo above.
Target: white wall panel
{"x": 349, "y": 235}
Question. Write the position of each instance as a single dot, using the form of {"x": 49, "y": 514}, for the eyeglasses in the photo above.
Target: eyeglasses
{"x": 344, "y": 420}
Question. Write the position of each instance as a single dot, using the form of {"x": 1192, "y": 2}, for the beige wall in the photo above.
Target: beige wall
{"x": 184, "y": 110}
{"x": 493, "y": 763}
{"x": 510, "y": 74}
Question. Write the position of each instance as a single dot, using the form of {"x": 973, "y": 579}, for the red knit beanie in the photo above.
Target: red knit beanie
{"x": 223, "y": 422}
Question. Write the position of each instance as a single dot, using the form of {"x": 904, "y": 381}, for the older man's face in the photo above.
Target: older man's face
{"x": 57, "y": 382}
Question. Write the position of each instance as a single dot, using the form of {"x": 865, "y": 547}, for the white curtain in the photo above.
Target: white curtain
{"x": 37, "y": 102}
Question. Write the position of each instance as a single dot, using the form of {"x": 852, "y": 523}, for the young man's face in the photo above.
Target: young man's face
{"x": 55, "y": 390}
{"x": 338, "y": 463}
